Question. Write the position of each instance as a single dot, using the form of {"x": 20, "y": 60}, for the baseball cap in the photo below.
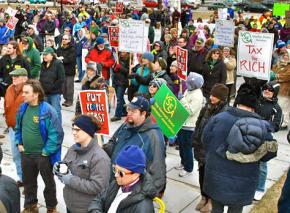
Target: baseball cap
{"x": 19, "y": 72}
{"x": 139, "y": 102}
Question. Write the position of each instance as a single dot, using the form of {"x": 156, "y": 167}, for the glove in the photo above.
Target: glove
{"x": 65, "y": 179}
{"x": 180, "y": 95}
{"x": 152, "y": 101}
{"x": 117, "y": 67}
{"x": 55, "y": 169}
{"x": 288, "y": 137}
{"x": 171, "y": 140}
{"x": 133, "y": 75}
{"x": 99, "y": 67}
{"x": 272, "y": 76}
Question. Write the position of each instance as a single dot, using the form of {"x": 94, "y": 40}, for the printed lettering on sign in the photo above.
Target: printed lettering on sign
{"x": 255, "y": 54}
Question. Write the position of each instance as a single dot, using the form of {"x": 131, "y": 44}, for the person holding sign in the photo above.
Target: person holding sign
{"x": 214, "y": 71}
{"x": 5, "y": 32}
{"x": 142, "y": 77}
{"x": 85, "y": 169}
{"x": 231, "y": 63}
{"x": 192, "y": 101}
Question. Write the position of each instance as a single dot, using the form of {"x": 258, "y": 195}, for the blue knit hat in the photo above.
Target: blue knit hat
{"x": 132, "y": 158}
{"x": 86, "y": 124}
{"x": 100, "y": 40}
{"x": 149, "y": 56}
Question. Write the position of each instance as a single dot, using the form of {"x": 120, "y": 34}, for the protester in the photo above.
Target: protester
{"x": 91, "y": 81}
{"x": 192, "y": 102}
{"x": 217, "y": 103}
{"x": 13, "y": 99}
{"x": 9, "y": 62}
{"x": 38, "y": 135}
{"x": 133, "y": 188}
{"x": 36, "y": 39}
{"x": 9, "y": 192}
{"x": 52, "y": 77}
{"x": 282, "y": 76}
{"x": 80, "y": 41}
{"x": 87, "y": 166}
{"x": 32, "y": 55}
{"x": 231, "y": 63}
{"x": 269, "y": 110}
{"x": 139, "y": 130}
{"x": 142, "y": 77}
{"x": 102, "y": 56}
{"x": 176, "y": 80}
{"x": 196, "y": 57}
{"x": 5, "y": 32}
{"x": 120, "y": 84}
{"x": 67, "y": 54}
{"x": 214, "y": 71}
{"x": 231, "y": 140}
{"x": 159, "y": 71}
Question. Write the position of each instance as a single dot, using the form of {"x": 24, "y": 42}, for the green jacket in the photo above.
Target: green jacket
{"x": 32, "y": 55}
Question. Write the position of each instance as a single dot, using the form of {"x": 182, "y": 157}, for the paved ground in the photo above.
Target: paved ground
{"x": 181, "y": 195}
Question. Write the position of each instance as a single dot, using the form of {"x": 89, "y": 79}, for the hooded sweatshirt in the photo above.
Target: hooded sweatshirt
{"x": 32, "y": 55}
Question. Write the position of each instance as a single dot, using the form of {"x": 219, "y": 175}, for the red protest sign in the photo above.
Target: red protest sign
{"x": 119, "y": 7}
{"x": 95, "y": 102}
{"x": 181, "y": 58}
{"x": 113, "y": 36}
{"x": 11, "y": 23}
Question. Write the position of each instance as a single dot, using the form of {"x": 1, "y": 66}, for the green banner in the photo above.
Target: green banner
{"x": 168, "y": 111}
{"x": 279, "y": 9}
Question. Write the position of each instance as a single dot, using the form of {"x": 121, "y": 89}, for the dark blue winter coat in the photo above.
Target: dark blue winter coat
{"x": 229, "y": 181}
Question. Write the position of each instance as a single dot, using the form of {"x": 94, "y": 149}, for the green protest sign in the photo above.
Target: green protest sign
{"x": 168, "y": 111}
{"x": 279, "y": 9}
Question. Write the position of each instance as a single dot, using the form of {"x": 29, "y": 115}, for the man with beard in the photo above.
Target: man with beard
{"x": 139, "y": 130}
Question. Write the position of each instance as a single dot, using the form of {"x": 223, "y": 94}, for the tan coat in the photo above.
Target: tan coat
{"x": 283, "y": 78}
{"x": 231, "y": 66}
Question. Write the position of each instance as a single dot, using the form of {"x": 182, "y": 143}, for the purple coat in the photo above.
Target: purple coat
{"x": 175, "y": 88}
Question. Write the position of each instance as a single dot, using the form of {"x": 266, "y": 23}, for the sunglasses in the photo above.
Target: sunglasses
{"x": 119, "y": 172}
{"x": 216, "y": 53}
{"x": 65, "y": 39}
{"x": 270, "y": 89}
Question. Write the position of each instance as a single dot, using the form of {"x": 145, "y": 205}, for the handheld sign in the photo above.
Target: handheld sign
{"x": 255, "y": 54}
{"x": 168, "y": 111}
{"x": 113, "y": 36}
{"x": 279, "y": 9}
{"x": 224, "y": 33}
{"x": 11, "y": 23}
{"x": 181, "y": 58}
{"x": 131, "y": 36}
{"x": 222, "y": 13}
{"x": 10, "y": 11}
{"x": 119, "y": 7}
{"x": 95, "y": 102}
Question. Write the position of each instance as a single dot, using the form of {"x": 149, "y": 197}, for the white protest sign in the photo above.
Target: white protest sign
{"x": 132, "y": 36}
{"x": 11, "y": 23}
{"x": 222, "y": 13}
{"x": 201, "y": 26}
{"x": 224, "y": 33}
{"x": 255, "y": 54}
{"x": 11, "y": 12}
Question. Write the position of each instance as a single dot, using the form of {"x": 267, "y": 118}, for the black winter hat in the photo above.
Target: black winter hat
{"x": 86, "y": 124}
{"x": 247, "y": 96}
{"x": 220, "y": 91}
{"x": 273, "y": 86}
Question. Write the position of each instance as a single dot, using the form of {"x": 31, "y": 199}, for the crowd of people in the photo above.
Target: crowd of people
{"x": 228, "y": 131}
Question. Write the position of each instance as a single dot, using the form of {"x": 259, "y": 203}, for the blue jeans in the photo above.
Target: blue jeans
{"x": 262, "y": 176}
{"x": 120, "y": 108}
{"x": 284, "y": 200}
{"x": 184, "y": 138}
{"x": 80, "y": 67}
{"x": 15, "y": 153}
{"x": 54, "y": 100}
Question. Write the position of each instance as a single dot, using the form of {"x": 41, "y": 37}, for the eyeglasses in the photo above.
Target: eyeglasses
{"x": 216, "y": 53}
{"x": 152, "y": 85}
{"x": 75, "y": 129}
{"x": 130, "y": 110}
{"x": 65, "y": 39}
{"x": 270, "y": 89}
{"x": 119, "y": 172}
